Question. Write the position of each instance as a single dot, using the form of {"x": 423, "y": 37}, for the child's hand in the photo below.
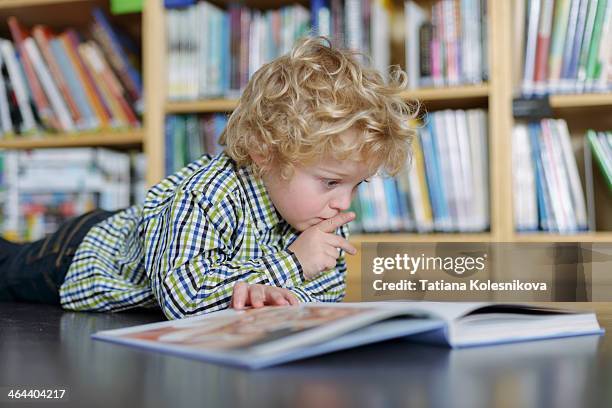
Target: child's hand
{"x": 317, "y": 247}
{"x": 257, "y": 295}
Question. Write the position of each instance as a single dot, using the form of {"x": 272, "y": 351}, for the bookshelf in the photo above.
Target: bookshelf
{"x": 116, "y": 139}
{"x": 581, "y": 101}
{"x": 445, "y": 97}
{"x": 150, "y": 28}
{"x": 59, "y": 15}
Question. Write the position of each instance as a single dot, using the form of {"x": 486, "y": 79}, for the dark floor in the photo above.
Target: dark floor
{"x": 43, "y": 347}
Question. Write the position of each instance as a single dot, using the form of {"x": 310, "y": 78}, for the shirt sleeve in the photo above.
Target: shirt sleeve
{"x": 329, "y": 286}
{"x": 190, "y": 265}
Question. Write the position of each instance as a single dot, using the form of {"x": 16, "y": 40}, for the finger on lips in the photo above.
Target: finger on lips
{"x": 332, "y": 224}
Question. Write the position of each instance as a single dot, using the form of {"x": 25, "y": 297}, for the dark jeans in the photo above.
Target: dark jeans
{"x": 34, "y": 272}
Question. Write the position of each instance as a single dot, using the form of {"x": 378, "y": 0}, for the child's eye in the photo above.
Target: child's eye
{"x": 362, "y": 181}
{"x": 330, "y": 183}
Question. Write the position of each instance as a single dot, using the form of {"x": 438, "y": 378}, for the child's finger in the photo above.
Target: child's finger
{"x": 275, "y": 297}
{"x": 239, "y": 295}
{"x": 257, "y": 295}
{"x": 339, "y": 242}
{"x": 291, "y": 298}
{"x": 332, "y": 224}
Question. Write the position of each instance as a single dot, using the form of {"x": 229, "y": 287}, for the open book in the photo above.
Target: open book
{"x": 272, "y": 335}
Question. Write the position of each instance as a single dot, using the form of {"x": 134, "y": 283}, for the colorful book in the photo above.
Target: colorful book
{"x": 43, "y": 108}
{"x": 20, "y": 88}
{"x": 257, "y": 338}
{"x": 55, "y": 98}
{"x": 601, "y": 157}
{"x": 43, "y": 36}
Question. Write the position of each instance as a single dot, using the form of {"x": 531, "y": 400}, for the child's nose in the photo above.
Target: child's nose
{"x": 342, "y": 202}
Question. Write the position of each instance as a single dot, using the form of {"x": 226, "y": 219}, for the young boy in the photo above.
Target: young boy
{"x": 263, "y": 223}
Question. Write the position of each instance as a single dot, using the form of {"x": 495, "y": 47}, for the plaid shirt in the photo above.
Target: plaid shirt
{"x": 199, "y": 232}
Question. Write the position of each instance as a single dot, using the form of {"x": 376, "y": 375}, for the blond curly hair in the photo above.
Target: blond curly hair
{"x": 294, "y": 109}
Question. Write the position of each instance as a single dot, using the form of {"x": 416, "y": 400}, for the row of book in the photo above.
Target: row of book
{"x": 600, "y": 144}
{"x": 548, "y": 192}
{"x": 42, "y": 188}
{"x": 188, "y": 137}
{"x": 564, "y": 46}
{"x": 67, "y": 83}
{"x": 447, "y": 44}
{"x": 212, "y": 52}
{"x": 444, "y": 188}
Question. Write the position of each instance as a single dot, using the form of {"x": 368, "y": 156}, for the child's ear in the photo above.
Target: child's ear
{"x": 257, "y": 158}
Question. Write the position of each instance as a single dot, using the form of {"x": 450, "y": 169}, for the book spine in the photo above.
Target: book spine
{"x": 59, "y": 107}
{"x": 415, "y": 17}
{"x": 377, "y": 191}
{"x": 438, "y": 194}
{"x": 245, "y": 24}
{"x": 28, "y": 122}
{"x": 452, "y": 168}
{"x": 6, "y": 123}
{"x": 439, "y": 138}
{"x": 528, "y": 87}
{"x": 543, "y": 44}
{"x": 117, "y": 117}
{"x": 42, "y": 35}
{"x": 234, "y": 17}
{"x": 70, "y": 42}
{"x": 560, "y": 24}
{"x": 605, "y": 51}
{"x": 119, "y": 59}
{"x": 391, "y": 204}
{"x": 437, "y": 46}
{"x": 226, "y": 54}
{"x": 115, "y": 87}
{"x": 467, "y": 189}
{"x": 573, "y": 65}
{"x": 598, "y": 150}
{"x": 586, "y": 19}
{"x": 425, "y": 55}
{"x": 592, "y": 63}
{"x": 337, "y": 18}
{"x": 484, "y": 39}
{"x": 524, "y": 191}
{"x": 552, "y": 178}
{"x": 586, "y": 45}
{"x": 575, "y": 185}
{"x": 541, "y": 189}
{"x": 480, "y": 163}
{"x": 43, "y": 108}
{"x": 451, "y": 17}
{"x": 562, "y": 175}
{"x": 419, "y": 191}
{"x": 215, "y": 67}
{"x": 76, "y": 87}
{"x": 569, "y": 44}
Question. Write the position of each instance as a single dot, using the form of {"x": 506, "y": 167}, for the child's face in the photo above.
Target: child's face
{"x": 316, "y": 192}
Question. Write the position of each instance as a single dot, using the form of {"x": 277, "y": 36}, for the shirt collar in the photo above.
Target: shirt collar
{"x": 263, "y": 211}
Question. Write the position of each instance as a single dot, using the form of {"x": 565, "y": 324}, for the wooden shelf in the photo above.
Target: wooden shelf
{"x": 98, "y": 139}
{"x": 438, "y": 95}
{"x": 552, "y": 237}
{"x": 579, "y": 101}
{"x": 4, "y": 4}
{"x": 419, "y": 238}
{"x": 448, "y": 93}
{"x": 210, "y": 105}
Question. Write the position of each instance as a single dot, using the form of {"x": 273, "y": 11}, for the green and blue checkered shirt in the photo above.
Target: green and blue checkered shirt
{"x": 199, "y": 232}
